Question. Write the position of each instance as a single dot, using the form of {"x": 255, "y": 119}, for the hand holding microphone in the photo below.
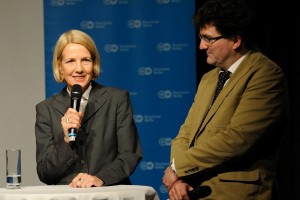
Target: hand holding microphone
{"x": 76, "y": 94}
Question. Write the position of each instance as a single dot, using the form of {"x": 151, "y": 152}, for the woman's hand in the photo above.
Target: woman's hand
{"x": 71, "y": 119}
{"x": 84, "y": 180}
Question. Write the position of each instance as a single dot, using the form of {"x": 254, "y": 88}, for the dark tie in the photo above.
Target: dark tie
{"x": 223, "y": 76}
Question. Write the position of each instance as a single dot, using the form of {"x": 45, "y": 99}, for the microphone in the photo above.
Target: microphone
{"x": 199, "y": 192}
{"x": 76, "y": 94}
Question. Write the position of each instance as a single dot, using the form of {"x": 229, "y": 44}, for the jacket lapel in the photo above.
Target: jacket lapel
{"x": 95, "y": 101}
{"x": 204, "y": 100}
{"x": 62, "y": 101}
{"x": 241, "y": 71}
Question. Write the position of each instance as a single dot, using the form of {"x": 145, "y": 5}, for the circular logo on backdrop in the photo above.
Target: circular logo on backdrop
{"x": 163, "y": 189}
{"x": 145, "y": 71}
{"x": 165, "y": 141}
{"x": 163, "y": 46}
{"x": 147, "y": 165}
{"x": 138, "y": 118}
{"x": 164, "y": 94}
{"x": 87, "y": 25}
{"x": 111, "y": 48}
{"x": 134, "y": 23}
{"x": 57, "y": 2}
{"x": 163, "y": 1}
{"x": 110, "y": 2}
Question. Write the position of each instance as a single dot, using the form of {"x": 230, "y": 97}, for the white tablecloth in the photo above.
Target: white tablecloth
{"x": 64, "y": 192}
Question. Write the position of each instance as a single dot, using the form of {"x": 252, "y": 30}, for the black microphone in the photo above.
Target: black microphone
{"x": 199, "y": 192}
{"x": 76, "y": 94}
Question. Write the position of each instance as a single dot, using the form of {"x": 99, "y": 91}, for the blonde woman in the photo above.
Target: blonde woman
{"x": 107, "y": 147}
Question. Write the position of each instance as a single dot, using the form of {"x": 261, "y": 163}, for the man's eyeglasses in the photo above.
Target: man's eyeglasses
{"x": 210, "y": 41}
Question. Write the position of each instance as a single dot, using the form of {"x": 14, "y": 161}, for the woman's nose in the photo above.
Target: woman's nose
{"x": 78, "y": 66}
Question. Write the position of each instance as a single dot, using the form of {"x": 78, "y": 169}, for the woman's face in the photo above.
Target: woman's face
{"x": 76, "y": 66}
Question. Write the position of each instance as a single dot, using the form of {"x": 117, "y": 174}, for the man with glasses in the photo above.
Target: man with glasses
{"x": 227, "y": 148}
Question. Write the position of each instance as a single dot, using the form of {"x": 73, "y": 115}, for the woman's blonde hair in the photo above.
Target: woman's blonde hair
{"x": 76, "y": 37}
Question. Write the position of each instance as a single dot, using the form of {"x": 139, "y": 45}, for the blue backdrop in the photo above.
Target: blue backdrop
{"x": 146, "y": 47}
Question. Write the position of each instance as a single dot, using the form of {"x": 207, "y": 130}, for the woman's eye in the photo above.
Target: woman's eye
{"x": 86, "y": 61}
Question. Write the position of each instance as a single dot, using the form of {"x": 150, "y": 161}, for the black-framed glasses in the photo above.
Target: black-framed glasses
{"x": 209, "y": 40}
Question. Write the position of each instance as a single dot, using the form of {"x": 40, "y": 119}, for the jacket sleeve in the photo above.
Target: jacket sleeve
{"x": 53, "y": 156}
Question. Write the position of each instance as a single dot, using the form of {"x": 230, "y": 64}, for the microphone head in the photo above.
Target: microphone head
{"x": 76, "y": 92}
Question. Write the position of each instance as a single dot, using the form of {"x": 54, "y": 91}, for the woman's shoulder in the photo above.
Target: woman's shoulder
{"x": 49, "y": 100}
{"x": 108, "y": 89}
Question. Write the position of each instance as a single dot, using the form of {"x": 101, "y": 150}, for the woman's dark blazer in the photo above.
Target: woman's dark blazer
{"x": 107, "y": 144}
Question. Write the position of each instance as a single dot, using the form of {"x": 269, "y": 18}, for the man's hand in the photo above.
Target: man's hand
{"x": 179, "y": 191}
{"x": 169, "y": 178}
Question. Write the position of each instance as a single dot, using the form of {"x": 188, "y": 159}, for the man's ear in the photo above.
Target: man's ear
{"x": 237, "y": 41}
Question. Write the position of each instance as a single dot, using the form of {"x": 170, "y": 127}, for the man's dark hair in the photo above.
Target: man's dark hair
{"x": 230, "y": 17}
